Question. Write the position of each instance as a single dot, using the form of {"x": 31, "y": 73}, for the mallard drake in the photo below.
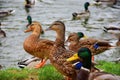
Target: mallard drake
{"x": 29, "y": 19}
{"x": 29, "y": 63}
{"x": 84, "y": 56}
{"x": 2, "y": 33}
{"x": 59, "y": 53}
{"x": 29, "y": 4}
{"x": 84, "y": 14}
{"x": 35, "y": 46}
{"x": 111, "y": 28}
{"x": 6, "y": 13}
{"x": 96, "y": 46}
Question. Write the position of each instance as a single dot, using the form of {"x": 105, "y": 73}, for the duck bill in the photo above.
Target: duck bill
{"x": 73, "y": 58}
{"x": 85, "y": 37}
{"x": 27, "y": 30}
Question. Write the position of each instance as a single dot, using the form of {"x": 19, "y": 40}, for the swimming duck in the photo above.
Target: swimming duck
{"x": 106, "y": 2}
{"x": 29, "y": 19}
{"x": 35, "y": 46}
{"x": 29, "y": 4}
{"x": 96, "y": 46}
{"x": 115, "y": 31}
{"x": 84, "y": 56}
{"x": 59, "y": 53}
{"x": 84, "y": 14}
{"x": 2, "y": 33}
{"x": 6, "y": 13}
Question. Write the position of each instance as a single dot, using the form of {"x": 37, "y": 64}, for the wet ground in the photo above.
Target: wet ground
{"x": 47, "y": 11}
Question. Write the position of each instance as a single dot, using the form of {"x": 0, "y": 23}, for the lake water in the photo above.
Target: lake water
{"x": 47, "y": 11}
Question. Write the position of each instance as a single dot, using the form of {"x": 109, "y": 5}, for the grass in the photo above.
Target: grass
{"x": 48, "y": 72}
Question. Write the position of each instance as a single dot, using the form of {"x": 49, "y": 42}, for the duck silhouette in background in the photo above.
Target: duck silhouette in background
{"x": 2, "y": 33}
{"x": 6, "y": 13}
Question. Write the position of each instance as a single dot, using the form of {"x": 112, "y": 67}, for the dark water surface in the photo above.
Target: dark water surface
{"x": 47, "y": 11}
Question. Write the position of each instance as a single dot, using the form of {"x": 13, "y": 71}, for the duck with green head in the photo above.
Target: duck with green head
{"x": 29, "y": 19}
{"x": 95, "y": 45}
{"x": 84, "y": 14}
{"x": 84, "y": 56}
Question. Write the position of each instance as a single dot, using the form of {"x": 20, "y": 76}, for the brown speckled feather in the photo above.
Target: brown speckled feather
{"x": 76, "y": 44}
{"x": 36, "y": 46}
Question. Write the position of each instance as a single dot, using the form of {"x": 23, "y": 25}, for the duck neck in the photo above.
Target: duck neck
{"x": 60, "y": 38}
{"x": 37, "y": 31}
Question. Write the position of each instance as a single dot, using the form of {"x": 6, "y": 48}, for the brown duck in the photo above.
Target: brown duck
{"x": 59, "y": 53}
{"x": 35, "y": 46}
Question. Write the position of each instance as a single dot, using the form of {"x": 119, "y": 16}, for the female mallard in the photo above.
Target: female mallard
{"x": 35, "y": 46}
{"x": 96, "y": 46}
{"x": 84, "y": 14}
{"x": 28, "y": 3}
{"x": 6, "y": 13}
{"x": 2, "y": 33}
{"x": 29, "y": 18}
{"x": 59, "y": 54}
{"x": 84, "y": 56}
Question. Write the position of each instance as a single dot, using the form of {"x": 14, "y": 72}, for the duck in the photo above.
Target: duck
{"x": 28, "y": 63}
{"x": 84, "y": 56}
{"x": 85, "y": 14}
{"x": 6, "y": 13}
{"x": 29, "y": 4}
{"x": 59, "y": 53}
{"x": 115, "y": 31}
{"x": 96, "y": 46}
{"x": 29, "y": 19}
{"x": 106, "y": 2}
{"x": 2, "y": 33}
{"x": 36, "y": 46}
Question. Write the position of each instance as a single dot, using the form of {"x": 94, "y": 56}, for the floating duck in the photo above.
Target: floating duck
{"x": 59, "y": 53}
{"x": 115, "y": 31}
{"x": 29, "y": 4}
{"x": 84, "y": 56}
{"x": 35, "y": 46}
{"x": 84, "y": 14}
{"x": 6, "y": 13}
{"x": 2, "y": 33}
{"x": 29, "y": 18}
{"x": 106, "y": 2}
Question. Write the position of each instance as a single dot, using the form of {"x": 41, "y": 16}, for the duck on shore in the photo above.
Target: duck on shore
{"x": 59, "y": 53}
{"x": 84, "y": 57}
{"x": 36, "y": 46}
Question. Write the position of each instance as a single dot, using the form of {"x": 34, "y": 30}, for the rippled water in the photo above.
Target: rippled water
{"x": 47, "y": 11}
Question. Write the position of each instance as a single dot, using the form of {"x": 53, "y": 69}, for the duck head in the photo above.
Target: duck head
{"x": 84, "y": 56}
{"x": 29, "y": 18}
{"x": 75, "y": 36}
{"x": 86, "y": 5}
{"x": 36, "y": 27}
{"x": 59, "y": 28}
